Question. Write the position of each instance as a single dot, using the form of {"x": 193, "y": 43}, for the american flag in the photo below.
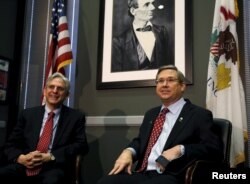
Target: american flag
{"x": 60, "y": 53}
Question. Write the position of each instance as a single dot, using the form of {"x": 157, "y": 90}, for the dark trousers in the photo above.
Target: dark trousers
{"x": 16, "y": 173}
{"x": 148, "y": 177}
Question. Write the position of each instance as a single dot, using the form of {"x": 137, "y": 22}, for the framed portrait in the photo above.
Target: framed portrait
{"x": 4, "y": 70}
{"x": 128, "y": 55}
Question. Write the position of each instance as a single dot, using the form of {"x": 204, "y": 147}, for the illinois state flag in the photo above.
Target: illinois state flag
{"x": 225, "y": 93}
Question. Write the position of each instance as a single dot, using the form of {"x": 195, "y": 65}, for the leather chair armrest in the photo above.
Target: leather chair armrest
{"x": 78, "y": 168}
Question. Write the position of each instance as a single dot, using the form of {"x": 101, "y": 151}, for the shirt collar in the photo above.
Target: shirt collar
{"x": 136, "y": 26}
{"x": 174, "y": 108}
{"x": 56, "y": 111}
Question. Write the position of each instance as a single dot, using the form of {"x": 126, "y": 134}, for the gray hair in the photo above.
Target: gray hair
{"x": 181, "y": 78}
{"x": 61, "y": 76}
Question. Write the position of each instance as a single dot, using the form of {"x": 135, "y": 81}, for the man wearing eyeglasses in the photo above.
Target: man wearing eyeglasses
{"x": 143, "y": 45}
{"x": 163, "y": 153}
{"x": 46, "y": 140}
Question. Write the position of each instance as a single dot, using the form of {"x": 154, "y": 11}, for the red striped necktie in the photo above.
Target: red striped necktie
{"x": 43, "y": 143}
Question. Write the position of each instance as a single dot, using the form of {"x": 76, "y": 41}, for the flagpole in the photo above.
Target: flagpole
{"x": 246, "y": 20}
{"x": 73, "y": 16}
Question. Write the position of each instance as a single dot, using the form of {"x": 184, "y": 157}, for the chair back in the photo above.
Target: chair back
{"x": 223, "y": 129}
{"x": 201, "y": 169}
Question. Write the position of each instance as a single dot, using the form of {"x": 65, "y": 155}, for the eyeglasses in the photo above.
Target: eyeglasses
{"x": 168, "y": 80}
{"x": 59, "y": 88}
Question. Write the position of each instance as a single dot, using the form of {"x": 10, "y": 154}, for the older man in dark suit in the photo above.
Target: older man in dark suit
{"x": 144, "y": 45}
{"x": 171, "y": 137}
{"x": 46, "y": 140}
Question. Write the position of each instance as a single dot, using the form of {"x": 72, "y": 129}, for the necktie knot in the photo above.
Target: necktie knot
{"x": 144, "y": 29}
{"x": 164, "y": 111}
{"x": 51, "y": 115}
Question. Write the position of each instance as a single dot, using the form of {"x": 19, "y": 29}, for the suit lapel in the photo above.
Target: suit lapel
{"x": 37, "y": 123}
{"x": 131, "y": 48}
{"x": 158, "y": 45}
{"x": 151, "y": 121}
{"x": 61, "y": 125}
{"x": 148, "y": 123}
{"x": 154, "y": 116}
{"x": 180, "y": 124}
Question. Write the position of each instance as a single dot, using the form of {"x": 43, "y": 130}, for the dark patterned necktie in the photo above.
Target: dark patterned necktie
{"x": 156, "y": 131}
{"x": 43, "y": 143}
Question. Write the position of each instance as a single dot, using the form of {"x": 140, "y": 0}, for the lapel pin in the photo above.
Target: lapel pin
{"x": 180, "y": 119}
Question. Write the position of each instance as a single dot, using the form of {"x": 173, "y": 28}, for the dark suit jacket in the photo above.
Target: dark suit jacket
{"x": 124, "y": 50}
{"x": 70, "y": 137}
{"x": 193, "y": 129}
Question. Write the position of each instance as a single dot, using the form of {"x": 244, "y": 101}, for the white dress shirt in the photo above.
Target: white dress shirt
{"x": 171, "y": 117}
{"x": 146, "y": 40}
{"x": 55, "y": 123}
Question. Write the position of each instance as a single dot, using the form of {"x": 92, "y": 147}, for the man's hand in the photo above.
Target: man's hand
{"x": 125, "y": 160}
{"x": 30, "y": 160}
{"x": 172, "y": 153}
{"x": 33, "y": 159}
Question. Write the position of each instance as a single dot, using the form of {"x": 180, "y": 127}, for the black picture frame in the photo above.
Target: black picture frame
{"x": 180, "y": 19}
{"x": 4, "y": 79}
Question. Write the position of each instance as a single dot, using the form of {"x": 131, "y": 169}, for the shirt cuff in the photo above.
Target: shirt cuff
{"x": 182, "y": 150}
{"x": 132, "y": 150}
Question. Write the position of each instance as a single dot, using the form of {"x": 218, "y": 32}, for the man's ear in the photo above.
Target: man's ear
{"x": 44, "y": 90}
{"x": 183, "y": 87}
{"x": 132, "y": 11}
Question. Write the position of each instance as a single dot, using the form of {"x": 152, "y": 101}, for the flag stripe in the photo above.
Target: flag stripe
{"x": 63, "y": 47}
{"x": 62, "y": 26}
{"x": 64, "y": 41}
